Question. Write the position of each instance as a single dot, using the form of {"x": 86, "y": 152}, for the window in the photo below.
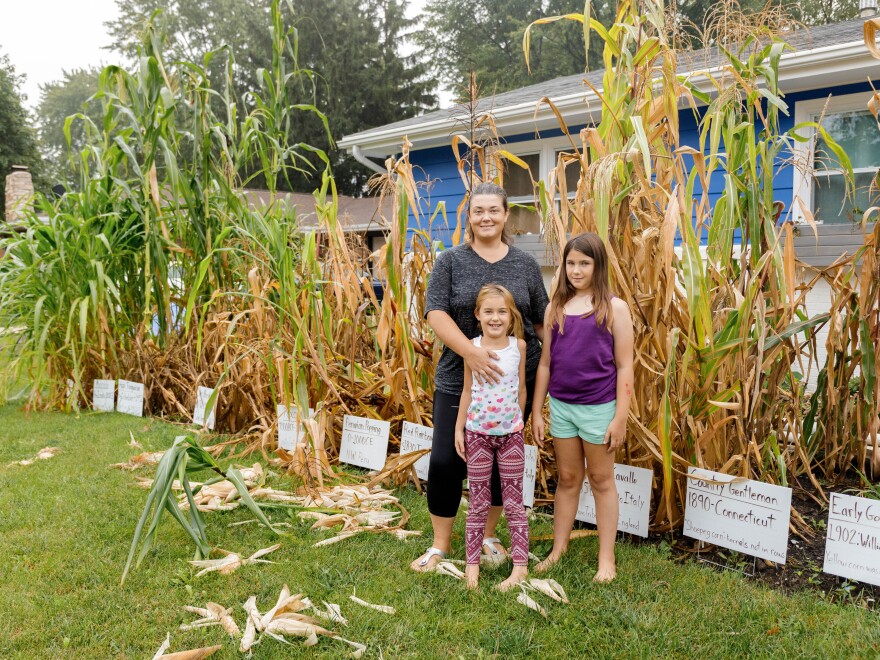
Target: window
{"x": 847, "y": 120}
{"x": 542, "y": 157}
{"x": 518, "y": 183}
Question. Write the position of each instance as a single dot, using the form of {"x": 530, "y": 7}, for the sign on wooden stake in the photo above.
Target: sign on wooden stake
{"x": 740, "y": 514}
{"x": 131, "y": 398}
{"x": 203, "y": 396}
{"x": 104, "y": 395}
{"x": 529, "y": 474}
{"x": 364, "y": 442}
{"x": 289, "y": 430}
{"x": 414, "y": 437}
{"x": 852, "y": 542}
{"x": 633, "y": 496}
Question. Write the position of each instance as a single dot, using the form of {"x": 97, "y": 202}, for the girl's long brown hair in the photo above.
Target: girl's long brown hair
{"x": 592, "y": 246}
{"x": 516, "y": 325}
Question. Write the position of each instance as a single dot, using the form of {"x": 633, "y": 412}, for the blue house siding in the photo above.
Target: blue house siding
{"x": 436, "y": 167}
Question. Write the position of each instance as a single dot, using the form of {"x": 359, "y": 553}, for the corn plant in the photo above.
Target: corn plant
{"x": 183, "y": 459}
{"x": 718, "y": 337}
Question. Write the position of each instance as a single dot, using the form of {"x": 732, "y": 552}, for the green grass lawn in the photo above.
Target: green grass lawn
{"x": 66, "y": 525}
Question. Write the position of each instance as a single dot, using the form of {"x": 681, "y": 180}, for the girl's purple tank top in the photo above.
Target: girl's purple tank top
{"x": 582, "y": 369}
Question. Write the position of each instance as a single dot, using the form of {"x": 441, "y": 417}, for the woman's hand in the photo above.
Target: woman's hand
{"x": 459, "y": 444}
{"x": 483, "y": 364}
{"x": 538, "y": 427}
{"x": 615, "y": 434}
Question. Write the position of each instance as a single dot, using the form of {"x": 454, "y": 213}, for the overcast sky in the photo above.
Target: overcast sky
{"x": 45, "y": 37}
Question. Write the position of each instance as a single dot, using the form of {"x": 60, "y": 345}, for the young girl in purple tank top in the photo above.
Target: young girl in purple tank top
{"x": 587, "y": 368}
{"x": 490, "y": 428}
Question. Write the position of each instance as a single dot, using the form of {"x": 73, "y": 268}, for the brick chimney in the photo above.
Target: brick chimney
{"x": 19, "y": 193}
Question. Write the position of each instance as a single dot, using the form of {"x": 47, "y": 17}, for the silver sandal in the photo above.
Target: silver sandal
{"x": 494, "y": 557}
{"x": 431, "y": 552}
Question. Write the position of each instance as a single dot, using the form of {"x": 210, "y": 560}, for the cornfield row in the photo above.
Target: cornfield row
{"x": 158, "y": 270}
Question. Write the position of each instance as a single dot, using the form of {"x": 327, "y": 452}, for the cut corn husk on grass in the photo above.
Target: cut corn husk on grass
{"x": 194, "y": 654}
{"x": 134, "y": 444}
{"x": 332, "y": 613}
{"x": 163, "y": 647}
{"x": 547, "y": 587}
{"x": 526, "y": 600}
{"x": 213, "y": 614}
{"x": 232, "y": 561}
{"x": 286, "y": 620}
{"x": 44, "y": 454}
{"x": 448, "y": 568}
{"x": 144, "y": 459}
{"x": 387, "y": 609}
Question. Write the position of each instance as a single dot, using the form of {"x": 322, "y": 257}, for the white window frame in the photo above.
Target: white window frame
{"x": 809, "y": 110}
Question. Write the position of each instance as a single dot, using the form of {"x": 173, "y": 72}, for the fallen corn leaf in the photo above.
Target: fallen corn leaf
{"x": 141, "y": 460}
{"x": 448, "y": 568}
{"x": 232, "y": 561}
{"x": 134, "y": 444}
{"x": 381, "y": 608}
{"x": 549, "y": 588}
{"x": 44, "y": 454}
{"x": 164, "y": 647}
{"x": 195, "y": 654}
{"x": 335, "y": 539}
{"x": 531, "y": 604}
{"x": 226, "y": 621}
{"x": 295, "y": 628}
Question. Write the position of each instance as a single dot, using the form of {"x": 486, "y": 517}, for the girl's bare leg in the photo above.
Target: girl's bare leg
{"x": 600, "y": 472}
{"x": 570, "y": 466}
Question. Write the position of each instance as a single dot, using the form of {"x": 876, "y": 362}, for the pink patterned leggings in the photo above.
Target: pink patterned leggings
{"x": 482, "y": 451}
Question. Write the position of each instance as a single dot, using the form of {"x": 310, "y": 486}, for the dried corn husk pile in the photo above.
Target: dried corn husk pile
{"x": 44, "y": 454}
{"x": 356, "y": 508}
{"x": 287, "y": 618}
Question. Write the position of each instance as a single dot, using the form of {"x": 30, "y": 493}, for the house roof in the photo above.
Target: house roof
{"x": 825, "y": 55}
{"x": 356, "y": 214}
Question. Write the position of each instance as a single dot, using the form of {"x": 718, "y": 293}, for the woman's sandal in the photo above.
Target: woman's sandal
{"x": 494, "y": 557}
{"x": 424, "y": 561}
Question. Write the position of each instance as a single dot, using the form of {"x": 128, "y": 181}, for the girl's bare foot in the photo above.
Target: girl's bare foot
{"x": 472, "y": 575}
{"x": 549, "y": 562}
{"x": 519, "y": 574}
{"x": 606, "y": 573}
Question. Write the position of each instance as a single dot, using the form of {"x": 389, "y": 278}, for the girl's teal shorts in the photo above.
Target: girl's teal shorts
{"x": 570, "y": 420}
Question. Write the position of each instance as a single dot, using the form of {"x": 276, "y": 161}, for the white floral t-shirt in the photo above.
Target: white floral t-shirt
{"x": 494, "y": 408}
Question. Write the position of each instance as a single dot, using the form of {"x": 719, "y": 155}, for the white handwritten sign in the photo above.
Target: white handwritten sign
{"x": 633, "y": 496}
{"x": 104, "y": 395}
{"x": 203, "y": 395}
{"x": 289, "y": 431}
{"x": 529, "y": 473}
{"x": 364, "y": 442}
{"x": 414, "y": 437}
{"x": 740, "y": 514}
{"x": 131, "y": 398}
{"x": 852, "y": 543}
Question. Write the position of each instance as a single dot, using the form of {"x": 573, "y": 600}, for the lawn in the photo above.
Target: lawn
{"x": 66, "y": 525}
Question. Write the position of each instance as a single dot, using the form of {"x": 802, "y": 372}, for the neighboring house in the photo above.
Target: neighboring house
{"x": 829, "y": 70}
{"x": 361, "y": 215}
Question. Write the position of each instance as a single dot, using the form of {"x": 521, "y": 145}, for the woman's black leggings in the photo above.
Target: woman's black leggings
{"x": 447, "y": 471}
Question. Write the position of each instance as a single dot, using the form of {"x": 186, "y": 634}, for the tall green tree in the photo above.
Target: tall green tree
{"x": 59, "y": 100}
{"x": 18, "y": 140}
{"x": 486, "y": 36}
{"x": 360, "y": 79}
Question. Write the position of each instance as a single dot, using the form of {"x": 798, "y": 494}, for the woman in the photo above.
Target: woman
{"x": 486, "y": 257}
